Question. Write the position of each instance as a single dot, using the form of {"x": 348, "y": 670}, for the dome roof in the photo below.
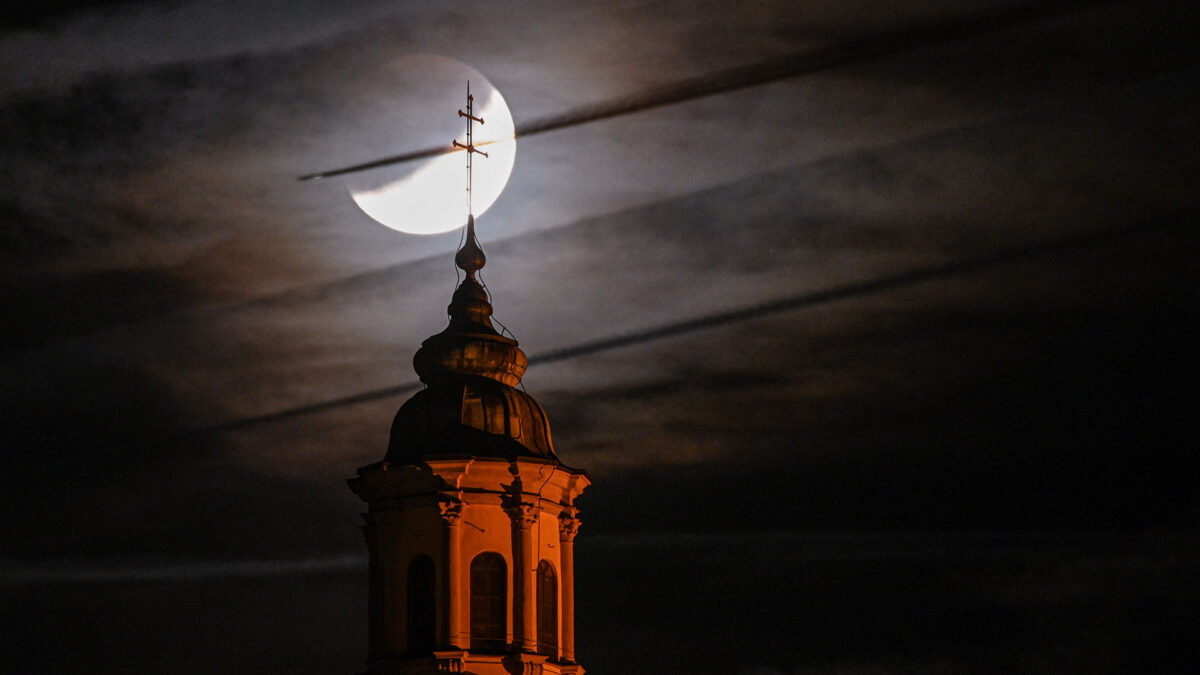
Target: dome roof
{"x": 470, "y": 405}
{"x": 478, "y": 417}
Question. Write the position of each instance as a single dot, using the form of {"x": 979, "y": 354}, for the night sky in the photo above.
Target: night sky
{"x": 881, "y": 355}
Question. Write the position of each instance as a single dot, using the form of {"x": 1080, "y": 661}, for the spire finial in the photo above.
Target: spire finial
{"x": 470, "y": 257}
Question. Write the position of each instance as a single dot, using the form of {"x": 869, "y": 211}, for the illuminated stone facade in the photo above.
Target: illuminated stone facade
{"x": 471, "y": 519}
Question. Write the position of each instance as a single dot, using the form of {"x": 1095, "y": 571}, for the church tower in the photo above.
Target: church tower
{"x": 471, "y": 518}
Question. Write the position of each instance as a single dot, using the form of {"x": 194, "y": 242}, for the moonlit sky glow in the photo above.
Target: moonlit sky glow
{"x": 428, "y": 196}
{"x": 880, "y": 321}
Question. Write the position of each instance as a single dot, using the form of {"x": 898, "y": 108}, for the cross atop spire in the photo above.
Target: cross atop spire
{"x": 470, "y": 146}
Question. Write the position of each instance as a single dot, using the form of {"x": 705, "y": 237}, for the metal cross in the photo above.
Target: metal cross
{"x": 470, "y": 146}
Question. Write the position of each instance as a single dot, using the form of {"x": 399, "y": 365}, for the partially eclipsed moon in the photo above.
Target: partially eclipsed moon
{"x": 429, "y": 196}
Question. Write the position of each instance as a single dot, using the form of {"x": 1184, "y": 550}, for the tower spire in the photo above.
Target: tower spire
{"x": 496, "y": 595}
{"x": 470, "y": 258}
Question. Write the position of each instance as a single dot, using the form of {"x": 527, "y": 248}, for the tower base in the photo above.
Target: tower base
{"x": 466, "y": 663}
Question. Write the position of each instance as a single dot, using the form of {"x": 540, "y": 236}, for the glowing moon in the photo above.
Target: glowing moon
{"x": 429, "y": 196}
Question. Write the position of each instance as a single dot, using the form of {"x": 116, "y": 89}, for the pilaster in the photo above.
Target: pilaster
{"x": 568, "y": 527}
{"x": 524, "y": 517}
{"x": 450, "y": 508}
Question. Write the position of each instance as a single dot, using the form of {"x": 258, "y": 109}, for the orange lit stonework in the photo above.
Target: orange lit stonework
{"x": 471, "y": 520}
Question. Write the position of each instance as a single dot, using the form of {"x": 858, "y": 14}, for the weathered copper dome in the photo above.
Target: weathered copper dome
{"x": 470, "y": 405}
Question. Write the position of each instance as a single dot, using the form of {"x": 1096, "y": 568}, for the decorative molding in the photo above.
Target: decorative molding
{"x": 568, "y": 524}
{"x": 450, "y": 662}
{"x": 523, "y": 514}
{"x": 450, "y": 509}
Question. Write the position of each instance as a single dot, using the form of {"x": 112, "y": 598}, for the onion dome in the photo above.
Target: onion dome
{"x": 469, "y": 405}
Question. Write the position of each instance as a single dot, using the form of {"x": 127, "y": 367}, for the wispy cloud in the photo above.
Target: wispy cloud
{"x": 117, "y": 571}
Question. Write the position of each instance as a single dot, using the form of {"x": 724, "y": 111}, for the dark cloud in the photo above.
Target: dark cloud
{"x": 948, "y": 289}
{"x": 48, "y": 14}
{"x": 101, "y": 410}
{"x": 1040, "y": 422}
{"x": 262, "y": 625}
{"x": 49, "y": 310}
{"x": 820, "y": 602}
{"x": 883, "y": 604}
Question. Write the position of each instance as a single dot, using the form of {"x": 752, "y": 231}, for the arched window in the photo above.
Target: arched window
{"x": 421, "y": 612}
{"x": 489, "y": 580}
{"x": 547, "y": 610}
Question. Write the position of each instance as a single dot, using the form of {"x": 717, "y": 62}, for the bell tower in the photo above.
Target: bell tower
{"x": 471, "y": 518}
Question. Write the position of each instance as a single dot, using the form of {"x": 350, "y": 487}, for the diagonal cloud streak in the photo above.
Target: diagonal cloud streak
{"x": 846, "y": 291}
{"x": 823, "y": 58}
{"x": 25, "y": 573}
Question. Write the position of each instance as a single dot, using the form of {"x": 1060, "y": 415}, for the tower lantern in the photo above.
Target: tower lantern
{"x": 471, "y": 518}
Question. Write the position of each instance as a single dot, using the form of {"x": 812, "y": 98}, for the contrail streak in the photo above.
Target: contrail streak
{"x": 846, "y": 291}
{"x": 823, "y": 58}
{"x": 108, "y": 571}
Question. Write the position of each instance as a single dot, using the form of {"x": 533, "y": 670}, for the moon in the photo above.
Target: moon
{"x": 429, "y": 196}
